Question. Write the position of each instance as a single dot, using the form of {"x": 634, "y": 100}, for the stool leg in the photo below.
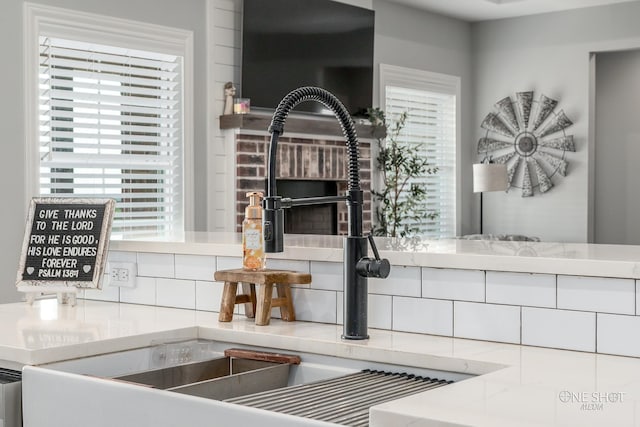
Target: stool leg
{"x": 250, "y": 307}
{"x": 264, "y": 293}
{"x": 228, "y": 302}
{"x": 286, "y": 311}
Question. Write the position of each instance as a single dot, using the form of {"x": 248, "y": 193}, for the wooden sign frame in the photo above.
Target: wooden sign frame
{"x": 45, "y": 284}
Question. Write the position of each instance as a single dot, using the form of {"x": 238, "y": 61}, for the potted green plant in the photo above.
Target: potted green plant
{"x": 400, "y": 201}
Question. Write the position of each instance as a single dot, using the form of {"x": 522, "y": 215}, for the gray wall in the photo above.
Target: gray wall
{"x": 411, "y": 38}
{"x": 163, "y": 12}
{"x": 550, "y": 54}
{"x": 12, "y": 216}
{"x": 617, "y": 148}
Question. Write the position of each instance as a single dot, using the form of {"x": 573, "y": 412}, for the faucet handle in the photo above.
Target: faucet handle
{"x": 377, "y": 267}
{"x": 374, "y": 248}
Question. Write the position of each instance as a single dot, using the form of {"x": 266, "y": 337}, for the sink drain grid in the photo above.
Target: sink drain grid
{"x": 343, "y": 400}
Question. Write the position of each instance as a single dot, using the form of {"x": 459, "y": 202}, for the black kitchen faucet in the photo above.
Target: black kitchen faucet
{"x": 357, "y": 265}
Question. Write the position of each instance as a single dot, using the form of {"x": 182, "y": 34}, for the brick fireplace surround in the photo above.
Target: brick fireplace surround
{"x": 313, "y": 158}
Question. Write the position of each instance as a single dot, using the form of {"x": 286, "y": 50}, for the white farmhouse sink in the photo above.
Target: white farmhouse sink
{"x": 82, "y": 392}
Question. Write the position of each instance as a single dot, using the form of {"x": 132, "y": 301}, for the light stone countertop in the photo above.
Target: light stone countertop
{"x": 516, "y": 385}
{"x": 580, "y": 259}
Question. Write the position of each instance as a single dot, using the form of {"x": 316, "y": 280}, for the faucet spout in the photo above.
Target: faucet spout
{"x": 357, "y": 266}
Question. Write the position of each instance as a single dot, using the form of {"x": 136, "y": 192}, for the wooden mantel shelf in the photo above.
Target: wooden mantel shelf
{"x": 328, "y": 126}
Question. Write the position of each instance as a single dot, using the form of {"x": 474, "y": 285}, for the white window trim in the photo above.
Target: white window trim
{"x": 393, "y": 75}
{"x": 71, "y": 24}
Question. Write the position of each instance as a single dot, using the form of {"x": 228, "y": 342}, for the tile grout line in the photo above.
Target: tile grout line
{"x": 520, "y": 325}
{"x": 595, "y": 350}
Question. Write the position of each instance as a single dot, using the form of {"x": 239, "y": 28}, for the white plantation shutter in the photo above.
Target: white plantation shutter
{"x": 431, "y": 124}
{"x": 111, "y": 126}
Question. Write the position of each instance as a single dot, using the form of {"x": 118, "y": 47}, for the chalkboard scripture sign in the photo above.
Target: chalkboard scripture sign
{"x": 65, "y": 242}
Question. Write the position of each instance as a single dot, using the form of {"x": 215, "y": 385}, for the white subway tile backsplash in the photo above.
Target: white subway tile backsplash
{"x": 326, "y": 275}
{"x": 314, "y": 305}
{"x": 228, "y": 263}
{"x": 426, "y": 316}
{"x": 119, "y": 256}
{"x": 599, "y": 294}
{"x": 156, "y": 265}
{"x": 488, "y": 322}
{"x": 537, "y": 290}
{"x": 402, "y": 281}
{"x": 379, "y": 309}
{"x": 417, "y": 300}
{"x": 143, "y": 293}
{"x": 195, "y": 267}
{"x": 107, "y": 293}
{"x": 461, "y": 285}
{"x": 176, "y": 293}
{"x": 288, "y": 264}
{"x": 208, "y": 295}
{"x": 570, "y": 330}
{"x": 618, "y": 335}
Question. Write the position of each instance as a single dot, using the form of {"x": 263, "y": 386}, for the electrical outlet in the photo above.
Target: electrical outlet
{"x": 122, "y": 274}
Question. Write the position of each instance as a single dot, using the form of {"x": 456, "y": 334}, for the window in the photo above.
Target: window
{"x": 431, "y": 102}
{"x": 111, "y": 123}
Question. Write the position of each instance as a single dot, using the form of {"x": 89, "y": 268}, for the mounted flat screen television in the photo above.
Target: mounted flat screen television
{"x": 291, "y": 43}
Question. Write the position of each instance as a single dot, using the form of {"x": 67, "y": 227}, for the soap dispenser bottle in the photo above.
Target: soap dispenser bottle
{"x": 253, "y": 257}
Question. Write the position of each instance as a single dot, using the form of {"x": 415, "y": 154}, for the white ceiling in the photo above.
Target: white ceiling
{"x": 480, "y": 10}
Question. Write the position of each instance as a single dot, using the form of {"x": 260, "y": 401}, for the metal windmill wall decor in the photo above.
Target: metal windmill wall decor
{"x": 529, "y": 136}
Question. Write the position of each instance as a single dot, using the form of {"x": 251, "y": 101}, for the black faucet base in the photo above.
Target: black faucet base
{"x": 355, "y": 337}
{"x": 356, "y": 292}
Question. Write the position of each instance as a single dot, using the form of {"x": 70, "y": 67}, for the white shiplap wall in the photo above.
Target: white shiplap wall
{"x": 225, "y": 21}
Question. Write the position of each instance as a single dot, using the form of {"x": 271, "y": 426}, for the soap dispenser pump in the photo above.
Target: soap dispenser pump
{"x": 253, "y": 257}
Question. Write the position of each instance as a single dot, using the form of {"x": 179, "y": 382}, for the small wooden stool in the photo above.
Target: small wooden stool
{"x": 259, "y": 303}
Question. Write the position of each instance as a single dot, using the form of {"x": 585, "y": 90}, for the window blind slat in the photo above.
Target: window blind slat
{"x": 124, "y": 110}
{"x": 74, "y": 96}
{"x": 102, "y": 118}
{"x": 156, "y": 197}
{"x": 138, "y": 216}
{"x": 104, "y": 85}
{"x": 122, "y": 138}
{"x": 124, "y": 186}
{"x": 103, "y": 67}
{"x": 105, "y": 176}
{"x": 116, "y": 147}
{"x": 45, "y": 74}
{"x": 59, "y": 161}
{"x": 102, "y": 126}
{"x": 92, "y": 55}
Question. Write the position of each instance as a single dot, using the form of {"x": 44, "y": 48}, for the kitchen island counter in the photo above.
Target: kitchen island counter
{"x": 515, "y": 385}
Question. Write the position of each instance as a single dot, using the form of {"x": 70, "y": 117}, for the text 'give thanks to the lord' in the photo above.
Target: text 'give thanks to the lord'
{"x": 63, "y": 242}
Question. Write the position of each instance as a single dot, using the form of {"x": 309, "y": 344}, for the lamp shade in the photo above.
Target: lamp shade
{"x": 490, "y": 177}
